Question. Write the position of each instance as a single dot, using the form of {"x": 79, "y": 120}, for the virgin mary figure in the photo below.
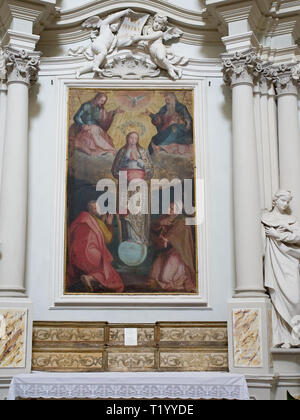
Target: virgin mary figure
{"x": 135, "y": 161}
{"x": 282, "y": 269}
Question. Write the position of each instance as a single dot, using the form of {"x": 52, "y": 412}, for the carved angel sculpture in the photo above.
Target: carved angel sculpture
{"x": 103, "y": 40}
{"x": 155, "y": 37}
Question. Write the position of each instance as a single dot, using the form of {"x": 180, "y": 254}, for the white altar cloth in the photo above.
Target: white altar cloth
{"x": 185, "y": 386}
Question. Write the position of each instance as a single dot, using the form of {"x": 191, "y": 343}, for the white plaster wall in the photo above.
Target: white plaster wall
{"x": 43, "y": 129}
{"x": 41, "y": 198}
{"x": 299, "y": 107}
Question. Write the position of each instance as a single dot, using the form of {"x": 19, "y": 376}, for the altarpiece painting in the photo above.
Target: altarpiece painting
{"x": 144, "y": 135}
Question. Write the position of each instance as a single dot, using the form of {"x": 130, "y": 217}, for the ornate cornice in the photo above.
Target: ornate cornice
{"x": 22, "y": 67}
{"x": 130, "y": 67}
{"x": 241, "y": 67}
{"x": 66, "y": 28}
{"x": 37, "y": 13}
{"x": 189, "y": 18}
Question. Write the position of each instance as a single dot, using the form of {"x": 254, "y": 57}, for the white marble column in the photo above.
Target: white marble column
{"x": 258, "y": 128}
{"x": 3, "y": 97}
{"x": 248, "y": 315}
{"x": 287, "y": 78}
{"x": 21, "y": 72}
{"x": 3, "y": 100}
{"x": 273, "y": 138}
{"x": 239, "y": 70}
{"x": 265, "y": 138}
{"x": 265, "y": 110}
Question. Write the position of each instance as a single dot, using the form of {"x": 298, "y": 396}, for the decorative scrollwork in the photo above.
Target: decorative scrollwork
{"x": 135, "y": 32}
{"x": 241, "y": 68}
{"x": 286, "y": 78}
{"x": 21, "y": 66}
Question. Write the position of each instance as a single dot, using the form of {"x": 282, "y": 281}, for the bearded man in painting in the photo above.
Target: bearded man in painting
{"x": 174, "y": 125}
{"x": 174, "y": 267}
{"x": 89, "y": 259}
{"x": 89, "y": 134}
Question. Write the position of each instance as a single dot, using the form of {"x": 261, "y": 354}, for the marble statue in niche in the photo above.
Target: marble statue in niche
{"x": 282, "y": 269}
{"x": 143, "y": 38}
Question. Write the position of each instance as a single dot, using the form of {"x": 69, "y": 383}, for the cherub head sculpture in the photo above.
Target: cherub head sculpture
{"x": 160, "y": 23}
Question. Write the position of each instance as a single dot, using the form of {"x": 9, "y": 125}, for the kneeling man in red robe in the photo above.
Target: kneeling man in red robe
{"x": 89, "y": 259}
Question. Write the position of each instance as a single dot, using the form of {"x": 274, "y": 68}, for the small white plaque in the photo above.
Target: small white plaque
{"x": 131, "y": 337}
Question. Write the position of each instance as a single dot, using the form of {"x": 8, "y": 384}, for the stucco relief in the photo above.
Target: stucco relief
{"x": 146, "y": 39}
{"x": 286, "y": 78}
{"x": 21, "y": 66}
{"x": 241, "y": 67}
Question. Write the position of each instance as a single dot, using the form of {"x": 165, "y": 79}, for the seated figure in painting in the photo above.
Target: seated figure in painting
{"x": 174, "y": 267}
{"x": 174, "y": 124}
{"x": 92, "y": 122}
{"x": 136, "y": 162}
{"x": 89, "y": 259}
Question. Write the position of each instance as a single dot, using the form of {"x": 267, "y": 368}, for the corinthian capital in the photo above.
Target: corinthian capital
{"x": 21, "y": 66}
{"x": 286, "y": 78}
{"x": 241, "y": 67}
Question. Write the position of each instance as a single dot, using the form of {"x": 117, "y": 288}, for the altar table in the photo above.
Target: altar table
{"x": 184, "y": 386}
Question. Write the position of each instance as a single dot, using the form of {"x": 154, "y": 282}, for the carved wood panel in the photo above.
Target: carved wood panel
{"x": 162, "y": 347}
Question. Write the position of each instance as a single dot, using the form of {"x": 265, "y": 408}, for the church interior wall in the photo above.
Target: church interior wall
{"x": 43, "y": 129}
{"x": 244, "y": 59}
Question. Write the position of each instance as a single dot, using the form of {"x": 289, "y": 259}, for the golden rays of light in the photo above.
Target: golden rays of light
{"x": 134, "y": 103}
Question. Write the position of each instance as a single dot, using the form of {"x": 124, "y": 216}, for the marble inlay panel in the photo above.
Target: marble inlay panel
{"x": 12, "y": 338}
{"x": 247, "y": 338}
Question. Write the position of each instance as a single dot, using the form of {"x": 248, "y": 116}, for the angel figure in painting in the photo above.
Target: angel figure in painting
{"x": 155, "y": 36}
{"x": 282, "y": 269}
{"x": 104, "y": 40}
